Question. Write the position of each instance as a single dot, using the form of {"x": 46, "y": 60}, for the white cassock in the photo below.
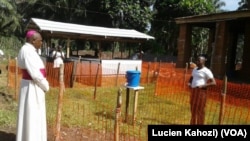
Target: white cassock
{"x": 58, "y": 58}
{"x": 31, "y": 121}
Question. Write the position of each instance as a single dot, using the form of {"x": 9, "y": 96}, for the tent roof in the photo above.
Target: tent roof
{"x": 76, "y": 31}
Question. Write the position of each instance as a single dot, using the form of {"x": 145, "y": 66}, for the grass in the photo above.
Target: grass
{"x": 80, "y": 109}
{"x": 7, "y": 118}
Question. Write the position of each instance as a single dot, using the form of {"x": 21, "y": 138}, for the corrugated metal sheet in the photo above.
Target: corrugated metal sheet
{"x": 53, "y": 26}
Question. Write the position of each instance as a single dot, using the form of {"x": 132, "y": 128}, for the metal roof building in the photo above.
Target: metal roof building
{"x": 77, "y": 31}
{"x": 69, "y": 31}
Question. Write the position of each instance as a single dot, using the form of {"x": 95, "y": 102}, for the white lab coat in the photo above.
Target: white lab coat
{"x": 58, "y": 58}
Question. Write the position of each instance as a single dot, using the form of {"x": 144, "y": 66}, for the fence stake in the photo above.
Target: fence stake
{"x": 185, "y": 75}
{"x": 76, "y": 65}
{"x": 59, "y": 104}
{"x": 96, "y": 79}
{"x": 90, "y": 72}
{"x": 118, "y": 115}
{"x": 223, "y": 98}
{"x": 117, "y": 73}
{"x": 8, "y": 73}
{"x": 148, "y": 72}
{"x": 16, "y": 80}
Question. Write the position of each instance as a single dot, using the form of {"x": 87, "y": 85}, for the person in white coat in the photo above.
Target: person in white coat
{"x": 31, "y": 120}
{"x": 58, "y": 56}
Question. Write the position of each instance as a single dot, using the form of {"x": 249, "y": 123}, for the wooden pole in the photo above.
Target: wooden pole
{"x": 113, "y": 50}
{"x": 16, "y": 79}
{"x": 98, "y": 51}
{"x": 59, "y": 104}
{"x": 118, "y": 115}
{"x": 223, "y": 98}
{"x": 8, "y": 73}
{"x": 90, "y": 72}
{"x": 185, "y": 75}
{"x": 96, "y": 79}
{"x": 117, "y": 74}
{"x": 76, "y": 65}
{"x": 68, "y": 48}
{"x": 148, "y": 72}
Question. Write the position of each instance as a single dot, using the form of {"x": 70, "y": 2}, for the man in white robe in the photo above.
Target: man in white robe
{"x": 31, "y": 121}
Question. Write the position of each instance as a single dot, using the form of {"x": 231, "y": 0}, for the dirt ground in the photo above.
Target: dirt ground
{"x": 66, "y": 134}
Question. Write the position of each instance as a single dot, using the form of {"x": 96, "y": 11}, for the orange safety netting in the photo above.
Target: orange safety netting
{"x": 51, "y": 74}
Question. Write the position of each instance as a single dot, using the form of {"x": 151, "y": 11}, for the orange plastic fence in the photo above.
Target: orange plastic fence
{"x": 12, "y": 74}
{"x": 171, "y": 80}
{"x": 52, "y": 74}
{"x": 168, "y": 79}
{"x": 88, "y": 73}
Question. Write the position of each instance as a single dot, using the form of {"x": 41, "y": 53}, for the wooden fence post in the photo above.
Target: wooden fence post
{"x": 185, "y": 75}
{"x": 59, "y": 104}
{"x": 223, "y": 98}
{"x": 90, "y": 73}
{"x": 117, "y": 74}
{"x": 75, "y": 70}
{"x": 16, "y": 79}
{"x": 96, "y": 79}
{"x": 8, "y": 71}
{"x": 148, "y": 72}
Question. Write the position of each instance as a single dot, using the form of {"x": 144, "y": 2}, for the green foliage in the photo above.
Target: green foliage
{"x": 154, "y": 47}
{"x": 129, "y": 14}
{"x": 163, "y": 27}
{"x": 155, "y": 15}
{"x": 217, "y": 5}
{"x": 244, "y": 5}
{"x": 8, "y": 110}
{"x": 10, "y": 46}
{"x": 198, "y": 6}
{"x": 200, "y": 41}
{"x": 9, "y": 18}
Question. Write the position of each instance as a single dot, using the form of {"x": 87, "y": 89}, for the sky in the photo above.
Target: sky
{"x": 230, "y": 5}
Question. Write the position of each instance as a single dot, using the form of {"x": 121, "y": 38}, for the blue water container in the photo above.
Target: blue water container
{"x": 133, "y": 78}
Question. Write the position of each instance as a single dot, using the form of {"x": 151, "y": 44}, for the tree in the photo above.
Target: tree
{"x": 244, "y": 5}
{"x": 9, "y": 18}
{"x": 135, "y": 14}
{"x": 59, "y": 10}
{"x": 163, "y": 26}
{"x": 109, "y": 13}
{"x": 217, "y": 5}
